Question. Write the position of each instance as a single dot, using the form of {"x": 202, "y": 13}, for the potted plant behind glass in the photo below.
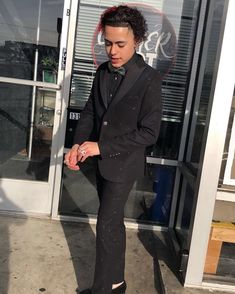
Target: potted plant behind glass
{"x": 49, "y": 72}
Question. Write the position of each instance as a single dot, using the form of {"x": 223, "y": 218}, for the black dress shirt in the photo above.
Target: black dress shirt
{"x": 115, "y": 79}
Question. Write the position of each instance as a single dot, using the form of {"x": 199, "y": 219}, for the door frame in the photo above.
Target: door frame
{"x": 210, "y": 169}
{"x": 35, "y": 197}
{"x": 58, "y": 146}
{"x": 205, "y": 184}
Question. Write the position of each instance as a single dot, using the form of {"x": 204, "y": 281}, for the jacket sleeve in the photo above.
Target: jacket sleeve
{"x": 147, "y": 130}
{"x": 85, "y": 124}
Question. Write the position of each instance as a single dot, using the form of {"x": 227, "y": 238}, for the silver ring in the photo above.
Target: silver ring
{"x": 83, "y": 152}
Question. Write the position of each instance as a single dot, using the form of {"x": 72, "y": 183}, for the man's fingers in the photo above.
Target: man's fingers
{"x": 79, "y": 156}
{"x": 73, "y": 167}
{"x": 84, "y": 158}
{"x": 83, "y": 151}
{"x": 70, "y": 158}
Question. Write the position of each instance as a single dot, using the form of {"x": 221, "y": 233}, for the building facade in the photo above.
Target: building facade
{"x": 49, "y": 53}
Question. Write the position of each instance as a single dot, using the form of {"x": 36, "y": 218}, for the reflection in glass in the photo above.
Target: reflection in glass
{"x": 227, "y": 173}
{"x": 29, "y": 38}
{"x": 226, "y": 265}
{"x": 153, "y": 194}
{"x": 199, "y": 123}
{"x": 184, "y": 214}
{"x": 79, "y": 196}
{"x": 15, "y": 115}
{"x": 149, "y": 200}
{"x": 202, "y": 105}
{"x": 29, "y": 47}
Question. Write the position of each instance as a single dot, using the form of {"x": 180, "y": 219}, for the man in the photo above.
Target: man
{"x": 123, "y": 117}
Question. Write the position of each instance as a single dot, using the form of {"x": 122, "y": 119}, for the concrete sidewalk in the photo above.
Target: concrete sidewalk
{"x": 52, "y": 257}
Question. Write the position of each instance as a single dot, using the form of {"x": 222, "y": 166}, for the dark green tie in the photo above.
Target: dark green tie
{"x": 121, "y": 70}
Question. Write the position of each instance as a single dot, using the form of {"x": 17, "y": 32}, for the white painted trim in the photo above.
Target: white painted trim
{"x": 25, "y": 196}
{"x": 30, "y": 196}
{"x": 225, "y": 196}
{"x": 30, "y": 83}
{"x": 213, "y": 287}
{"x": 59, "y": 148}
{"x": 55, "y": 158}
{"x": 216, "y": 286}
{"x": 209, "y": 175}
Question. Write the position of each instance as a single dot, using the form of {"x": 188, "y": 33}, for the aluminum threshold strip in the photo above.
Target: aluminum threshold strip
{"x": 89, "y": 220}
{"x": 129, "y": 224}
{"x": 213, "y": 287}
{"x": 30, "y": 83}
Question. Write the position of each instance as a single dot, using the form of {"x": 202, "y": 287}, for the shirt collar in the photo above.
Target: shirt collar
{"x": 125, "y": 66}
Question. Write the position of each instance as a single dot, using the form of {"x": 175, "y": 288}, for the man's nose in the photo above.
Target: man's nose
{"x": 113, "y": 50}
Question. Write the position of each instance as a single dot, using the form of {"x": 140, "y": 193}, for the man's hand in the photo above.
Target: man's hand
{"x": 80, "y": 153}
{"x": 71, "y": 158}
{"x": 88, "y": 149}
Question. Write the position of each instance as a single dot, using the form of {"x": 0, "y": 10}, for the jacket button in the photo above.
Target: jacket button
{"x": 105, "y": 123}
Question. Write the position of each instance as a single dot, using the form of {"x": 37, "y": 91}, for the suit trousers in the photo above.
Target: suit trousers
{"x": 110, "y": 234}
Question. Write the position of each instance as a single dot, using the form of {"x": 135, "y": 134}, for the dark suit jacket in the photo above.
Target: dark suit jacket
{"x": 125, "y": 128}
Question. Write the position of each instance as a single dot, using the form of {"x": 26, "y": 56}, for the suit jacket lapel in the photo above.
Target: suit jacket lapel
{"x": 103, "y": 86}
{"x": 131, "y": 77}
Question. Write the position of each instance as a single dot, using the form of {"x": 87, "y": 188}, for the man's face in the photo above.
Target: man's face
{"x": 119, "y": 44}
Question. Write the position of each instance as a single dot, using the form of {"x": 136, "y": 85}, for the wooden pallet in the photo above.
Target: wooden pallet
{"x": 220, "y": 232}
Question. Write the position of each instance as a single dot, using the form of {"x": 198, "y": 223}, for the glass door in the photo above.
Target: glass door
{"x": 169, "y": 48}
{"x": 32, "y": 39}
{"x": 190, "y": 169}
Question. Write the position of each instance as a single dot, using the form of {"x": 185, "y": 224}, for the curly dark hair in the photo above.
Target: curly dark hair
{"x": 125, "y": 16}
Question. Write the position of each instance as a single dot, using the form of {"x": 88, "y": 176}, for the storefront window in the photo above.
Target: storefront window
{"x": 205, "y": 87}
{"x": 15, "y": 114}
{"x": 172, "y": 29}
{"x": 25, "y": 30}
{"x": 169, "y": 49}
{"x": 191, "y": 167}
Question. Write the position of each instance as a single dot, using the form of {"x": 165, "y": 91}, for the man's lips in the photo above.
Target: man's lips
{"x": 114, "y": 60}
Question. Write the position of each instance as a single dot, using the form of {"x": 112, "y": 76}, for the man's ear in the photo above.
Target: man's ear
{"x": 136, "y": 45}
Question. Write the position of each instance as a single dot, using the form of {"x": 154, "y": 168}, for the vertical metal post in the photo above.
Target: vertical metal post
{"x": 198, "y": 41}
{"x": 34, "y": 87}
{"x": 64, "y": 78}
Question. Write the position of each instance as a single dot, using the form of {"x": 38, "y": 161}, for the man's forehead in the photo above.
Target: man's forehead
{"x": 119, "y": 32}
{"x": 117, "y": 28}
